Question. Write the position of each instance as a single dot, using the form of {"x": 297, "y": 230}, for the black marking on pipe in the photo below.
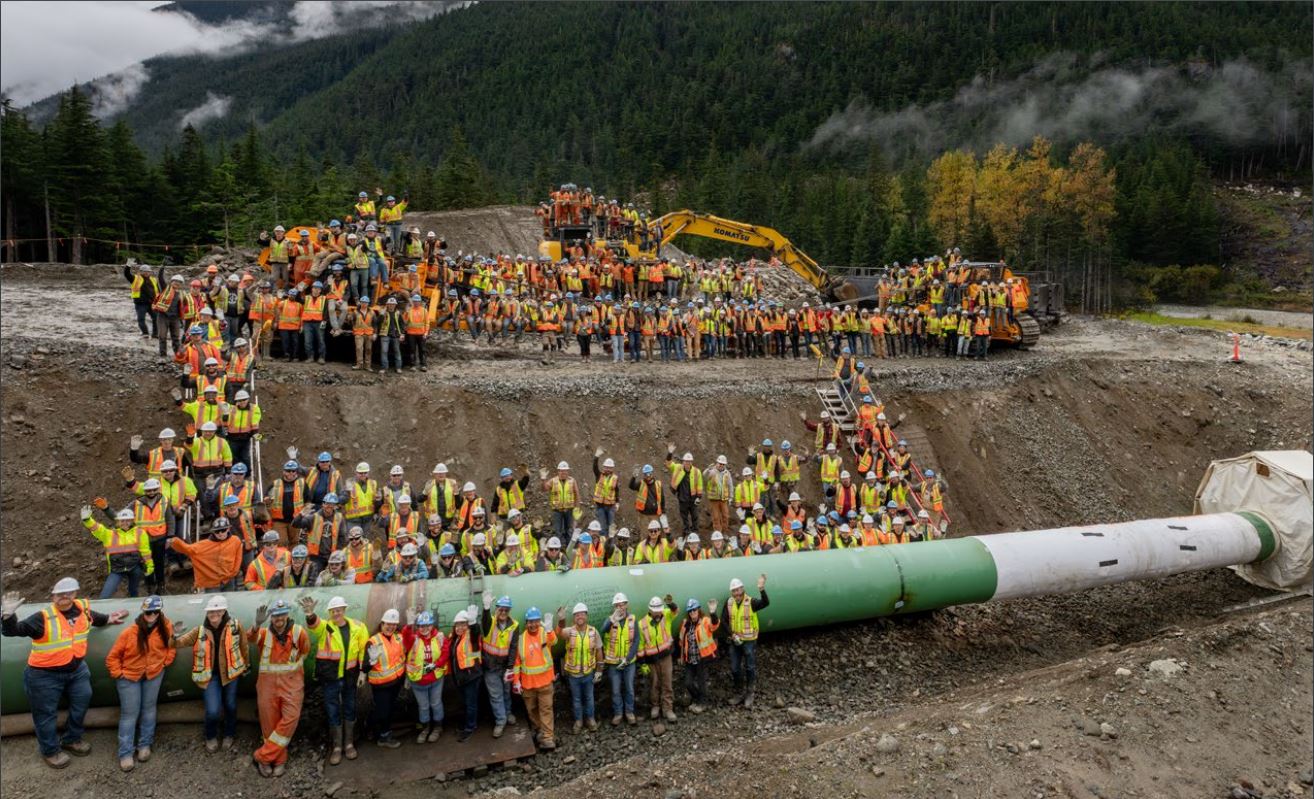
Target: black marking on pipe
{"x": 903, "y": 587}
{"x": 1092, "y": 535}
{"x": 1177, "y": 527}
{"x": 1104, "y": 563}
{"x": 1187, "y": 548}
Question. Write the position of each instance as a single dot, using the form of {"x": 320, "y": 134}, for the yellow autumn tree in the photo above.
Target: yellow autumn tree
{"x": 1090, "y": 186}
{"x": 950, "y": 184}
{"x": 999, "y": 195}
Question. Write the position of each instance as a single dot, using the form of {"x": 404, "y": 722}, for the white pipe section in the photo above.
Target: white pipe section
{"x": 1071, "y": 559}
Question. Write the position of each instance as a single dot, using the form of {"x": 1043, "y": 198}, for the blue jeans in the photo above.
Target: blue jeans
{"x": 378, "y": 268}
{"x": 499, "y": 698}
{"x": 359, "y": 279}
{"x": 115, "y": 579}
{"x": 634, "y": 346}
{"x": 622, "y": 689}
{"x": 388, "y": 344}
{"x": 313, "y": 335}
{"x": 340, "y": 700}
{"x": 563, "y": 524}
{"x": 44, "y": 690}
{"x": 665, "y": 343}
{"x": 743, "y": 663}
{"x": 470, "y": 697}
{"x": 581, "y": 696}
{"x": 395, "y": 236}
{"x": 220, "y": 703}
{"x": 617, "y": 348}
{"x": 429, "y": 699}
{"x": 137, "y": 700}
{"x": 606, "y": 516}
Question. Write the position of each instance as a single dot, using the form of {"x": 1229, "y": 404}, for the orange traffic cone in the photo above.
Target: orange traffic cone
{"x": 1236, "y": 348}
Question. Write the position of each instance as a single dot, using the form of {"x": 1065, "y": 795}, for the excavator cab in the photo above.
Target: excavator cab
{"x": 561, "y": 239}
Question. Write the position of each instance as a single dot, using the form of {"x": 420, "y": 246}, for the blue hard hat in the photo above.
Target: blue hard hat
{"x": 280, "y": 608}
{"x": 291, "y": 466}
{"x": 853, "y": 514}
{"x": 796, "y": 525}
{"x": 866, "y": 399}
{"x": 504, "y": 602}
{"x": 231, "y": 500}
{"x": 152, "y": 603}
{"x": 504, "y": 473}
{"x": 324, "y": 457}
{"x": 317, "y": 285}
{"x": 292, "y": 292}
{"x": 834, "y": 515}
{"x": 930, "y": 473}
{"x": 586, "y": 539}
{"x": 364, "y": 300}
{"x": 451, "y": 292}
{"x": 647, "y": 468}
{"x": 447, "y": 551}
{"x": 846, "y": 351}
{"x": 239, "y": 468}
{"x": 570, "y": 295}
{"x": 533, "y": 614}
{"x": 197, "y": 330}
{"x": 766, "y": 442}
{"x": 425, "y": 619}
{"x": 822, "y": 522}
{"x": 777, "y": 530}
{"x": 891, "y": 504}
{"x": 336, "y": 267}
{"x": 362, "y": 194}
{"x": 474, "y": 292}
{"x": 785, "y": 444}
{"x": 334, "y": 223}
{"x": 331, "y": 497}
{"x": 692, "y": 604}
{"x": 300, "y": 551}
{"x": 390, "y": 199}
{"x": 415, "y": 297}
{"x": 607, "y": 297}
{"x": 862, "y": 365}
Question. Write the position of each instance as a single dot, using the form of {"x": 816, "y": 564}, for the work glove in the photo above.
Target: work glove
{"x": 574, "y": 537}
{"x": 410, "y": 616}
{"x": 375, "y": 652}
{"x": 178, "y": 629}
{"x": 190, "y": 430}
{"x": 597, "y": 453}
{"x": 698, "y": 501}
{"x": 740, "y": 513}
{"x": 176, "y": 393}
{"x": 128, "y": 474}
{"x": 134, "y": 443}
{"x": 429, "y": 667}
{"x": 645, "y": 669}
{"x": 262, "y": 613}
{"x": 597, "y": 677}
{"x": 752, "y": 451}
{"x": 542, "y": 474}
{"x": 292, "y": 453}
{"x": 307, "y": 604}
{"x": 360, "y": 679}
{"x": 736, "y": 640}
{"x": 10, "y": 603}
{"x": 515, "y": 688}
{"x": 223, "y": 409}
{"x": 187, "y": 369}
{"x": 86, "y": 512}
{"x": 472, "y": 613}
{"x": 508, "y": 676}
{"x": 944, "y": 526}
{"x": 670, "y": 448}
{"x": 212, "y": 481}
{"x": 761, "y": 582}
{"x": 100, "y": 502}
{"x": 488, "y": 600}
{"x": 711, "y": 606}
{"x": 803, "y": 415}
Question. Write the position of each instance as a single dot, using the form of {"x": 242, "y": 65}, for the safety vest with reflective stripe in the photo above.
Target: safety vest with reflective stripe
{"x": 743, "y": 620}
{"x": 417, "y": 320}
{"x": 509, "y": 497}
{"x": 360, "y": 499}
{"x": 391, "y": 661}
{"x": 62, "y": 640}
{"x": 362, "y": 562}
{"x": 289, "y": 315}
{"x": 277, "y": 496}
{"x": 619, "y": 637}
{"x": 830, "y": 468}
{"x": 748, "y": 493}
{"x": 315, "y": 535}
{"x": 245, "y": 495}
{"x": 157, "y": 456}
{"x": 467, "y": 657}
{"x": 150, "y": 519}
{"x": 243, "y": 420}
{"x": 655, "y": 636}
{"x": 534, "y": 658}
{"x": 604, "y": 490}
{"x": 293, "y": 662}
{"x": 234, "y": 651}
{"x": 331, "y": 645}
{"x": 265, "y": 570}
{"x": 580, "y": 658}
{"x": 562, "y": 494}
{"x": 448, "y": 496}
{"x": 313, "y": 308}
{"x": 641, "y": 498}
{"x": 137, "y": 282}
{"x": 209, "y": 453}
{"x": 423, "y": 652}
{"x": 789, "y": 468}
{"x": 497, "y": 643}
{"x": 278, "y": 250}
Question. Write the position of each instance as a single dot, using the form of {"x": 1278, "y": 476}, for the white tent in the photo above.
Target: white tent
{"x": 1278, "y": 485}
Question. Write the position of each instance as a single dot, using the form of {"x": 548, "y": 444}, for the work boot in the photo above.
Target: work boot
{"x": 355, "y": 366}
{"x": 748, "y": 700}
{"x": 511, "y": 718}
{"x": 592, "y": 724}
{"x": 631, "y": 719}
{"x": 738, "y": 698}
{"x": 227, "y": 742}
{"x": 212, "y": 745}
{"x": 696, "y": 709}
{"x": 265, "y": 769}
{"x": 423, "y": 735}
{"x": 435, "y": 733}
{"x": 127, "y": 763}
{"x": 57, "y": 760}
{"x": 387, "y": 742}
{"x": 655, "y": 713}
{"x": 144, "y": 754}
{"x": 321, "y": 360}
{"x": 497, "y": 730}
{"x": 279, "y": 769}
{"x": 579, "y": 725}
{"x": 670, "y": 715}
{"x": 615, "y": 720}
{"x": 547, "y": 745}
{"x": 79, "y": 748}
{"x": 335, "y": 755}
{"x": 349, "y": 747}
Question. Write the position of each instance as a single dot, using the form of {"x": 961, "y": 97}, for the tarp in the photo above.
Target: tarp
{"x": 1280, "y": 485}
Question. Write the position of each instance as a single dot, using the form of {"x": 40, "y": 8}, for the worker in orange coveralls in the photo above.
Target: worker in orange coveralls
{"x": 281, "y": 684}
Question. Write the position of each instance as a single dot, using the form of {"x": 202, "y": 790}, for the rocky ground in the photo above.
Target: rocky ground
{"x": 1103, "y": 421}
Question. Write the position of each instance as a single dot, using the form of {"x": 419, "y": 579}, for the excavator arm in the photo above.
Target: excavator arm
{"x": 677, "y": 223}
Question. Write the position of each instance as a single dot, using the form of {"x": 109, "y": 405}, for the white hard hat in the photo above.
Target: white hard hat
{"x": 479, "y": 539}
{"x": 124, "y": 515}
{"x": 151, "y": 484}
{"x": 440, "y": 469}
{"x": 461, "y": 618}
{"x": 66, "y": 585}
{"x": 211, "y": 362}
{"x": 688, "y": 456}
{"x": 844, "y": 474}
{"x": 595, "y": 526}
{"x": 563, "y": 466}
{"x": 168, "y": 433}
{"x": 209, "y": 427}
{"x": 468, "y": 487}
{"x": 693, "y": 539}
{"x": 825, "y": 414}
{"x": 871, "y": 475}
{"x": 721, "y": 459}
{"x": 619, "y": 598}
{"x": 513, "y": 513}
{"x": 168, "y": 466}
{"x": 745, "y": 530}
{"x": 830, "y": 447}
{"x": 867, "y": 519}
{"x": 794, "y": 497}
{"x": 717, "y": 535}
{"x": 513, "y": 540}
{"x": 553, "y": 543}
{"x": 758, "y": 506}
{"x": 880, "y": 417}
{"x": 747, "y": 472}
{"x": 656, "y": 603}
{"x": 391, "y": 616}
{"x": 581, "y": 608}
{"x": 654, "y": 525}
{"x": 241, "y": 395}
{"x": 409, "y": 549}
{"x": 337, "y": 602}
{"x": 404, "y": 499}
{"x": 609, "y": 464}
{"x": 217, "y": 603}
{"x": 922, "y": 514}
{"x": 736, "y": 583}
{"x": 362, "y": 467}
{"x": 397, "y": 470}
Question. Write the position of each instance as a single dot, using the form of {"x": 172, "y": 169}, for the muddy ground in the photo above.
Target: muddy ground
{"x": 1103, "y": 421}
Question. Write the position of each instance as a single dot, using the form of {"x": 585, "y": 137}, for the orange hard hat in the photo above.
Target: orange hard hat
{"x": 212, "y": 269}
{"x": 196, "y": 284}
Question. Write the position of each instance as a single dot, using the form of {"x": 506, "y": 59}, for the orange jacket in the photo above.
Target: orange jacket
{"x": 126, "y": 659}
{"x": 213, "y": 562}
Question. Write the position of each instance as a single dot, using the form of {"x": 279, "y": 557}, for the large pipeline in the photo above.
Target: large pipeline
{"x": 806, "y": 589}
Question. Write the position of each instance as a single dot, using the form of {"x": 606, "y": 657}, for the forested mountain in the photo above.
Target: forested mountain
{"x": 821, "y": 119}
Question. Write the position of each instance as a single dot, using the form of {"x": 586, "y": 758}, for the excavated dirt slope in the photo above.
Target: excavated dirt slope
{"x": 1102, "y": 421}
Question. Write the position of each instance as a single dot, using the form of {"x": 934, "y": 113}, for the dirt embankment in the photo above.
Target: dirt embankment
{"x": 497, "y": 229}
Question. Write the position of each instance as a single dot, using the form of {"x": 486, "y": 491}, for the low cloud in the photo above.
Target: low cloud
{"x": 112, "y": 93}
{"x": 214, "y": 107}
{"x": 1063, "y": 99}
